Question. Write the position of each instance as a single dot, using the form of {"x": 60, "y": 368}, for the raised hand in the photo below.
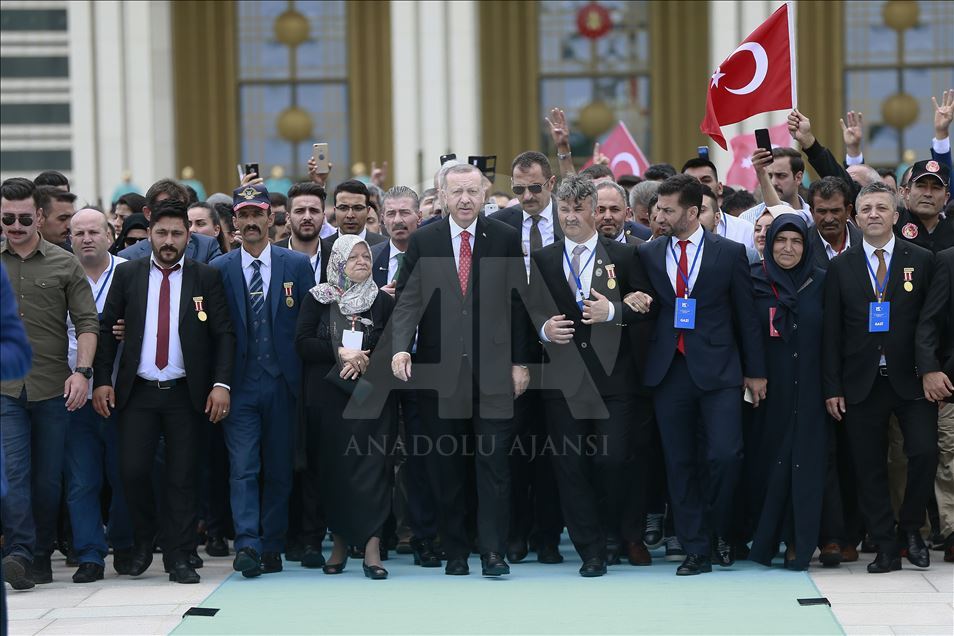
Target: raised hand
{"x": 379, "y": 174}
{"x": 943, "y": 114}
{"x": 559, "y": 130}
{"x": 852, "y": 130}
{"x": 800, "y": 128}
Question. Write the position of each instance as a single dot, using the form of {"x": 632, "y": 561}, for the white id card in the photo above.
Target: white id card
{"x": 351, "y": 339}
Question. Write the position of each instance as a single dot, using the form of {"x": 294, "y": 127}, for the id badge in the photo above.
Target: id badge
{"x": 879, "y": 317}
{"x": 351, "y": 339}
{"x": 685, "y": 315}
{"x": 773, "y": 332}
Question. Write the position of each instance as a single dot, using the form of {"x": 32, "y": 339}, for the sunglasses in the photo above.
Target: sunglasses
{"x": 534, "y": 188}
{"x": 131, "y": 240}
{"x": 26, "y": 220}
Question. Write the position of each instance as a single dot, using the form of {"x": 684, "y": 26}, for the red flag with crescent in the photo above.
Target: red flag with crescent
{"x": 625, "y": 155}
{"x": 758, "y": 77}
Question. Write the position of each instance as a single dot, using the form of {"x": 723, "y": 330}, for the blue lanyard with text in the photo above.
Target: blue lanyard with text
{"x": 105, "y": 283}
{"x": 686, "y": 278}
{"x": 577, "y": 277}
{"x": 887, "y": 275}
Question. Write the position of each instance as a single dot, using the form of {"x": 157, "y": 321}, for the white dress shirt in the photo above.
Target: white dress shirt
{"x": 752, "y": 214}
{"x": 327, "y": 229}
{"x": 100, "y": 291}
{"x": 546, "y": 231}
{"x": 455, "y": 238}
{"x": 873, "y": 261}
{"x": 266, "y": 268}
{"x": 672, "y": 265}
{"x": 737, "y": 229}
{"x": 831, "y": 252}
{"x": 586, "y": 275}
{"x": 393, "y": 261}
{"x": 175, "y": 368}
{"x": 314, "y": 259}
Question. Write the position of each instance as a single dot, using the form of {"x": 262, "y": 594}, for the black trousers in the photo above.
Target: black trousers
{"x": 421, "y": 503}
{"x": 313, "y": 524}
{"x": 867, "y": 427}
{"x": 645, "y": 473}
{"x": 152, "y": 412}
{"x": 214, "y": 478}
{"x": 840, "y": 519}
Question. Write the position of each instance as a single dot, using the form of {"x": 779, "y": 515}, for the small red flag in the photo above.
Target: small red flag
{"x": 757, "y": 77}
{"x": 624, "y": 153}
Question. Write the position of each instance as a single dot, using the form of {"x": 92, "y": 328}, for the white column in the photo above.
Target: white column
{"x": 111, "y": 122}
{"x": 405, "y": 93}
{"x": 463, "y": 79}
{"x": 85, "y": 174}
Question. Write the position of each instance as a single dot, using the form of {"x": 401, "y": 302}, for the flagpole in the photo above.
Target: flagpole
{"x": 790, "y": 7}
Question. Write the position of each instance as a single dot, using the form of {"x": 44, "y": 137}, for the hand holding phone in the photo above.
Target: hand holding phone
{"x": 762, "y": 139}
{"x": 320, "y": 154}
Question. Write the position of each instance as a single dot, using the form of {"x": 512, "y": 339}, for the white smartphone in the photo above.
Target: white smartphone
{"x": 320, "y": 154}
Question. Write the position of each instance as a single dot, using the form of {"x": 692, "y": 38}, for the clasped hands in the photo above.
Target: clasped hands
{"x": 354, "y": 363}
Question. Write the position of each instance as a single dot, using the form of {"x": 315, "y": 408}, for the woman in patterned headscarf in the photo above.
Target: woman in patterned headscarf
{"x": 338, "y": 328}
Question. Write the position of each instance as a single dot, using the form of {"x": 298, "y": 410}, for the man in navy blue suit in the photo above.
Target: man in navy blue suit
{"x": 706, "y": 345}
{"x": 264, "y": 286}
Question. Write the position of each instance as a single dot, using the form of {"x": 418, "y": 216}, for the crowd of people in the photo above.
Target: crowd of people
{"x": 654, "y": 361}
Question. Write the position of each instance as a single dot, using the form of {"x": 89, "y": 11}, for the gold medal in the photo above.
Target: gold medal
{"x": 289, "y": 301}
{"x": 908, "y": 286}
{"x": 203, "y": 316}
{"x": 611, "y": 283}
{"x": 199, "y": 309}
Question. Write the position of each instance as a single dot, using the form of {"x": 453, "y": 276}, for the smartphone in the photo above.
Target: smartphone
{"x": 703, "y": 152}
{"x": 446, "y": 158}
{"x": 251, "y": 168}
{"x": 762, "y": 139}
{"x": 320, "y": 154}
{"x": 487, "y": 164}
{"x": 490, "y": 207}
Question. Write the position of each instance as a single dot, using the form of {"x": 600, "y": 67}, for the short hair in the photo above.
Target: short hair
{"x": 527, "y": 159}
{"x": 460, "y": 168}
{"x": 737, "y": 201}
{"x": 642, "y": 193}
{"x": 45, "y": 195}
{"x": 401, "y": 192}
{"x": 176, "y": 192}
{"x": 193, "y": 196}
{"x": 375, "y": 191}
{"x": 615, "y": 187}
{"x": 277, "y": 199}
{"x": 887, "y": 172}
{"x": 52, "y": 178}
{"x": 225, "y": 214}
{"x": 597, "y": 171}
{"x": 707, "y": 192}
{"x": 18, "y": 189}
{"x": 132, "y": 201}
{"x": 699, "y": 162}
{"x": 906, "y": 176}
{"x": 688, "y": 188}
{"x": 659, "y": 172}
{"x": 577, "y": 188}
{"x": 878, "y": 187}
{"x": 170, "y": 208}
{"x": 629, "y": 180}
{"x": 828, "y": 187}
{"x": 352, "y": 186}
{"x": 306, "y": 188}
{"x": 794, "y": 158}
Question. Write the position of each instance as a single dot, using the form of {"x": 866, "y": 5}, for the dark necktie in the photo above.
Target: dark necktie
{"x": 162, "y": 327}
{"x": 681, "y": 288}
{"x": 256, "y": 289}
{"x": 536, "y": 238}
{"x": 463, "y": 266}
{"x": 400, "y": 264}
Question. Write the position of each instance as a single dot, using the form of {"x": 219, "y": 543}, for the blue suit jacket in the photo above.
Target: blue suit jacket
{"x": 201, "y": 248}
{"x": 726, "y": 343}
{"x": 945, "y": 158}
{"x": 380, "y": 255}
{"x": 287, "y": 267}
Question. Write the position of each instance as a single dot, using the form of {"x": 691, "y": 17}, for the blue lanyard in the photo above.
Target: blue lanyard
{"x": 576, "y": 277}
{"x": 105, "y": 283}
{"x": 695, "y": 259}
{"x": 317, "y": 259}
{"x": 887, "y": 275}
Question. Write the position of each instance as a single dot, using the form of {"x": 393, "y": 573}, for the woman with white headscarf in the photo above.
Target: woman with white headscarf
{"x": 338, "y": 328}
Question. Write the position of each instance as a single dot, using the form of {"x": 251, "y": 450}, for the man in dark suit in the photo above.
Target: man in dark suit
{"x": 706, "y": 345}
{"x": 264, "y": 286}
{"x": 176, "y": 365}
{"x": 613, "y": 212}
{"x": 472, "y": 345}
{"x": 588, "y": 387}
{"x": 921, "y": 222}
{"x": 830, "y": 200}
{"x": 535, "y": 520}
{"x": 200, "y": 248}
{"x": 306, "y": 217}
{"x": 872, "y": 368}
{"x": 351, "y": 202}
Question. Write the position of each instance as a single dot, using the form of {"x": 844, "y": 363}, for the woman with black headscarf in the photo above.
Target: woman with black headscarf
{"x": 789, "y": 449}
{"x": 135, "y": 229}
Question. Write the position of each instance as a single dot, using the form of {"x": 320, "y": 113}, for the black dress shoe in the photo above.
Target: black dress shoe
{"x": 140, "y": 561}
{"x": 424, "y": 554}
{"x": 88, "y": 573}
{"x": 182, "y": 572}
{"x": 311, "y": 557}
{"x": 722, "y": 552}
{"x": 335, "y": 568}
{"x": 122, "y": 561}
{"x": 248, "y": 562}
{"x": 271, "y": 562}
{"x": 217, "y": 547}
{"x": 16, "y": 572}
{"x": 374, "y": 572}
{"x": 493, "y": 564}
{"x": 195, "y": 561}
{"x": 517, "y": 550}
{"x": 42, "y": 570}
{"x": 917, "y": 553}
{"x": 293, "y": 551}
{"x": 884, "y": 563}
{"x": 612, "y": 551}
{"x": 549, "y": 554}
{"x": 456, "y": 567}
{"x": 593, "y": 567}
{"x": 694, "y": 564}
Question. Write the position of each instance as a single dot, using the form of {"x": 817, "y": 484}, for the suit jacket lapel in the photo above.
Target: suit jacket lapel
{"x": 188, "y": 289}
{"x": 553, "y": 270}
{"x": 237, "y": 283}
{"x": 898, "y": 261}
{"x": 380, "y": 266}
{"x": 446, "y": 250}
{"x": 710, "y": 254}
{"x": 275, "y": 284}
{"x": 859, "y": 265}
{"x": 601, "y": 272}
{"x": 141, "y": 291}
{"x": 557, "y": 230}
{"x": 656, "y": 268}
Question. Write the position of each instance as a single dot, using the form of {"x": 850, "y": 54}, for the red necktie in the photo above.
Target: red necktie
{"x": 681, "y": 288}
{"x": 463, "y": 266}
{"x": 162, "y": 328}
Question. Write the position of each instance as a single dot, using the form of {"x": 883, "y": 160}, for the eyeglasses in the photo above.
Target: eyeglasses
{"x": 357, "y": 209}
{"x": 534, "y": 188}
{"x": 26, "y": 220}
{"x": 132, "y": 240}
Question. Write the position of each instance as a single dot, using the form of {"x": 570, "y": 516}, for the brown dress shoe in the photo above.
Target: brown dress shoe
{"x": 831, "y": 554}
{"x": 637, "y": 554}
{"x": 849, "y": 554}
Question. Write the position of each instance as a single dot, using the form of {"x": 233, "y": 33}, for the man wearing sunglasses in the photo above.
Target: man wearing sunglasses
{"x": 351, "y": 201}
{"x": 49, "y": 284}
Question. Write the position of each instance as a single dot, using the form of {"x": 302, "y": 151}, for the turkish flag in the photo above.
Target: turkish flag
{"x": 741, "y": 172}
{"x": 624, "y": 153}
{"x": 757, "y": 77}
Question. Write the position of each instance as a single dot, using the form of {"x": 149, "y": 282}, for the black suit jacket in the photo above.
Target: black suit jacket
{"x": 324, "y": 248}
{"x": 851, "y": 355}
{"x": 818, "y": 247}
{"x": 936, "y": 327}
{"x": 487, "y": 325}
{"x": 208, "y": 347}
{"x": 380, "y": 255}
{"x": 513, "y": 216}
{"x": 373, "y": 238}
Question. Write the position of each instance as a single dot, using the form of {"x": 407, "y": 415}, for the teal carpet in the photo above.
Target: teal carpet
{"x": 534, "y": 599}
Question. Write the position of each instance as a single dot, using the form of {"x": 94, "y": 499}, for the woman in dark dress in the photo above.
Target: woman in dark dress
{"x": 792, "y": 440}
{"x": 338, "y": 328}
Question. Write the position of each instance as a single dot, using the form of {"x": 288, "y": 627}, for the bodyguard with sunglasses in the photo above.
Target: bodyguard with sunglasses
{"x": 351, "y": 201}
{"x": 49, "y": 283}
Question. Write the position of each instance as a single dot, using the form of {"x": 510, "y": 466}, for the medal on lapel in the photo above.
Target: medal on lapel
{"x": 908, "y": 275}
{"x": 200, "y": 311}
{"x": 611, "y": 275}
{"x": 289, "y": 301}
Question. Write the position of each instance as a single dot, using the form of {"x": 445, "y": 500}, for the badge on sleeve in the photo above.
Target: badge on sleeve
{"x": 879, "y": 317}
{"x": 685, "y": 315}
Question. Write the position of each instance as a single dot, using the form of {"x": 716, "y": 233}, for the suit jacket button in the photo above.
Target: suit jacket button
{"x": 464, "y": 312}
{"x": 795, "y": 355}
{"x": 583, "y": 344}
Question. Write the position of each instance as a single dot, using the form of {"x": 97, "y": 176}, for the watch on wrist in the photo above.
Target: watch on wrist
{"x": 561, "y": 156}
{"x": 86, "y": 372}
